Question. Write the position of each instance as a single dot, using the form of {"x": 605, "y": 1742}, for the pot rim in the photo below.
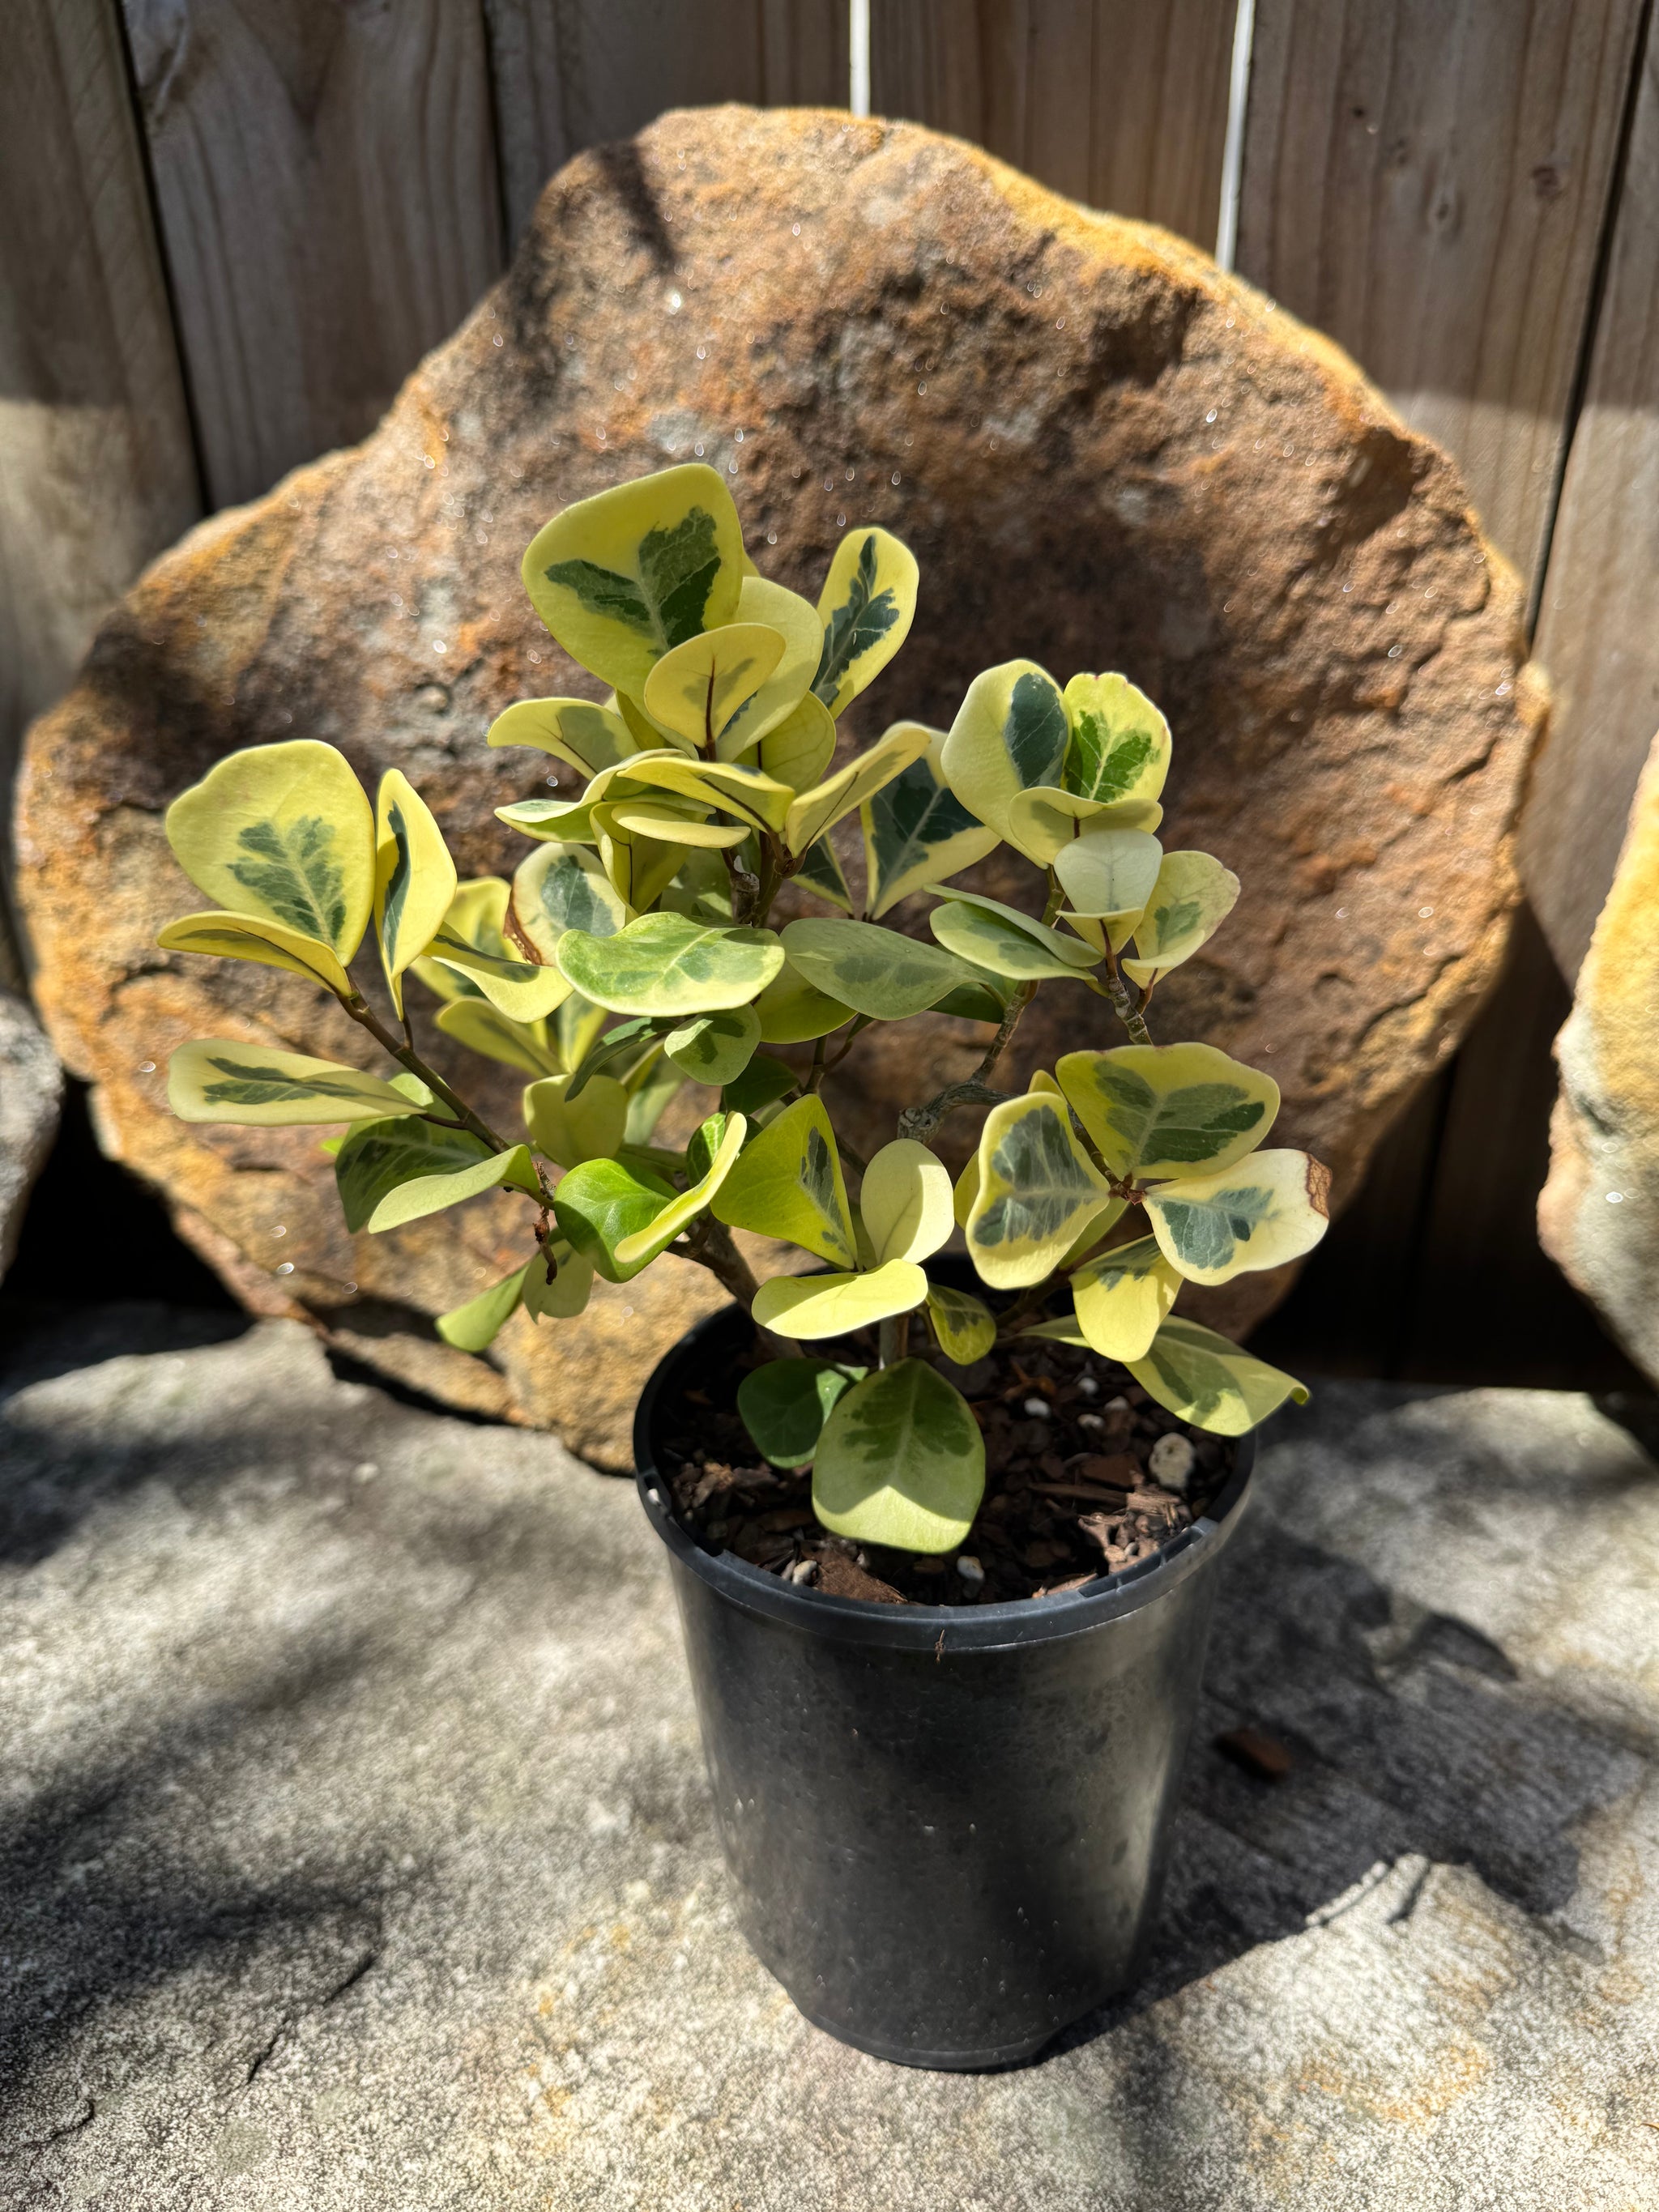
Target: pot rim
{"x": 1013, "y": 1623}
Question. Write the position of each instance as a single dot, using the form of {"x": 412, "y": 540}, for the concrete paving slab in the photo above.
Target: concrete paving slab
{"x": 355, "y": 1850}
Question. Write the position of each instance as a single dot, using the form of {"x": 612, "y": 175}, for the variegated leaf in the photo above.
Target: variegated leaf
{"x": 695, "y": 691}
{"x": 916, "y": 831}
{"x": 524, "y": 1045}
{"x": 1155, "y": 1111}
{"x": 796, "y": 621}
{"x": 575, "y": 731}
{"x": 1271, "y": 1207}
{"x": 253, "y": 937}
{"x": 876, "y": 971}
{"x": 789, "y": 1184}
{"x": 666, "y": 964}
{"x": 414, "y": 878}
{"x": 285, "y": 832}
{"x": 622, "y": 578}
{"x": 223, "y": 1079}
{"x": 1038, "y": 1189}
{"x": 563, "y": 887}
{"x": 866, "y": 607}
{"x": 801, "y": 746}
{"x": 1010, "y": 732}
{"x": 1203, "y": 1378}
{"x": 714, "y": 1048}
{"x": 964, "y": 1325}
{"x": 1193, "y": 896}
{"x": 1120, "y": 743}
{"x": 1122, "y": 1297}
{"x": 900, "y": 1462}
{"x": 821, "y": 808}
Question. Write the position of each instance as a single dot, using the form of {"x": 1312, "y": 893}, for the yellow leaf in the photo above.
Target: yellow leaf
{"x": 905, "y": 1201}
{"x": 822, "y": 807}
{"x": 251, "y": 937}
{"x": 695, "y": 689}
{"x": 809, "y": 1306}
{"x": 414, "y": 878}
{"x": 866, "y": 607}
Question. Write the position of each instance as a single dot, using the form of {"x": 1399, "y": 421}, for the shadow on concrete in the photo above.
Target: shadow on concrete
{"x": 1406, "y": 1732}
{"x": 116, "y": 1881}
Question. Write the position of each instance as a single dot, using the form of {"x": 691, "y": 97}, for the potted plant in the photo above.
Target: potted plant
{"x": 943, "y": 1536}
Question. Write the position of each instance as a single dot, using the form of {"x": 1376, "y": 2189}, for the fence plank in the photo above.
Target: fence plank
{"x": 325, "y": 179}
{"x": 1121, "y": 104}
{"x": 1596, "y": 632}
{"x": 1427, "y": 180}
{"x": 96, "y": 471}
{"x": 575, "y": 73}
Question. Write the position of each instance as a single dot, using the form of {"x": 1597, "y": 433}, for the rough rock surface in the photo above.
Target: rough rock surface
{"x": 356, "y": 1850}
{"x": 31, "y": 1092}
{"x": 1598, "y": 1218}
{"x": 1105, "y": 454}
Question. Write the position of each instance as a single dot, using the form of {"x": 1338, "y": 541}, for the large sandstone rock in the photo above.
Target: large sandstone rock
{"x": 31, "y": 1092}
{"x": 1105, "y": 453}
{"x": 1598, "y": 1218}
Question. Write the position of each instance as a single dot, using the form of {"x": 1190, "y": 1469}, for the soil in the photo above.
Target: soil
{"x": 1070, "y": 1493}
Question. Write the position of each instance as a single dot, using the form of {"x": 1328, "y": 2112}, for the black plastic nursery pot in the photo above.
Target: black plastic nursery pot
{"x": 946, "y": 1828}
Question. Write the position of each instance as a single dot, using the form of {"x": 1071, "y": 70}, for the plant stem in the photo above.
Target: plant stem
{"x": 891, "y": 1335}
{"x": 1118, "y": 992}
{"x": 364, "y": 1015}
{"x": 709, "y": 1244}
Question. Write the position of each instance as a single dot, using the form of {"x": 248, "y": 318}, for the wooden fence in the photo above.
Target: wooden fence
{"x": 232, "y": 226}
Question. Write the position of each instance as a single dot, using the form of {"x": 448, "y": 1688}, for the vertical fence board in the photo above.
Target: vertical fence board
{"x": 325, "y": 180}
{"x": 1598, "y": 632}
{"x": 96, "y": 471}
{"x": 1121, "y": 104}
{"x": 1427, "y": 180}
{"x": 575, "y": 73}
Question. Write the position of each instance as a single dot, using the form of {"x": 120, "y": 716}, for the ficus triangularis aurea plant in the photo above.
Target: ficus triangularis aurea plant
{"x": 633, "y": 952}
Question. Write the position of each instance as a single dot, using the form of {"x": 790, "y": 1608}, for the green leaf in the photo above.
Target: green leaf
{"x": 876, "y": 972}
{"x": 866, "y": 607}
{"x": 1203, "y": 1378}
{"x": 975, "y": 1002}
{"x": 789, "y": 1184}
{"x": 714, "y": 1048}
{"x": 1271, "y": 1207}
{"x": 285, "y": 832}
{"x": 601, "y": 1202}
{"x": 524, "y": 1045}
{"x": 900, "y": 1462}
{"x": 964, "y": 1325}
{"x": 651, "y": 1087}
{"x": 916, "y": 831}
{"x": 628, "y": 1038}
{"x": 568, "y": 1294}
{"x": 587, "y": 737}
{"x": 1193, "y": 896}
{"x": 786, "y": 1403}
{"x": 794, "y": 1012}
{"x": 1037, "y": 1189}
{"x": 762, "y": 1084}
{"x": 622, "y": 578}
{"x": 424, "y": 1195}
{"x": 1154, "y": 1111}
{"x": 639, "y": 866}
{"x": 643, "y": 1244}
{"x": 811, "y": 1306}
{"x": 251, "y": 937}
{"x": 378, "y": 1157}
{"x": 666, "y": 820}
{"x": 1010, "y": 732}
{"x": 1120, "y": 743}
{"x": 1110, "y": 873}
{"x": 589, "y": 1127}
{"x": 1122, "y": 1297}
{"x": 696, "y": 690}
{"x": 414, "y": 878}
{"x": 821, "y": 872}
{"x": 666, "y": 964}
{"x": 905, "y": 1201}
{"x": 563, "y": 887}
{"x": 223, "y": 1079}
{"x": 991, "y": 938}
{"x": 471, "y": 1327}
{"x": 821, "y": 808}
